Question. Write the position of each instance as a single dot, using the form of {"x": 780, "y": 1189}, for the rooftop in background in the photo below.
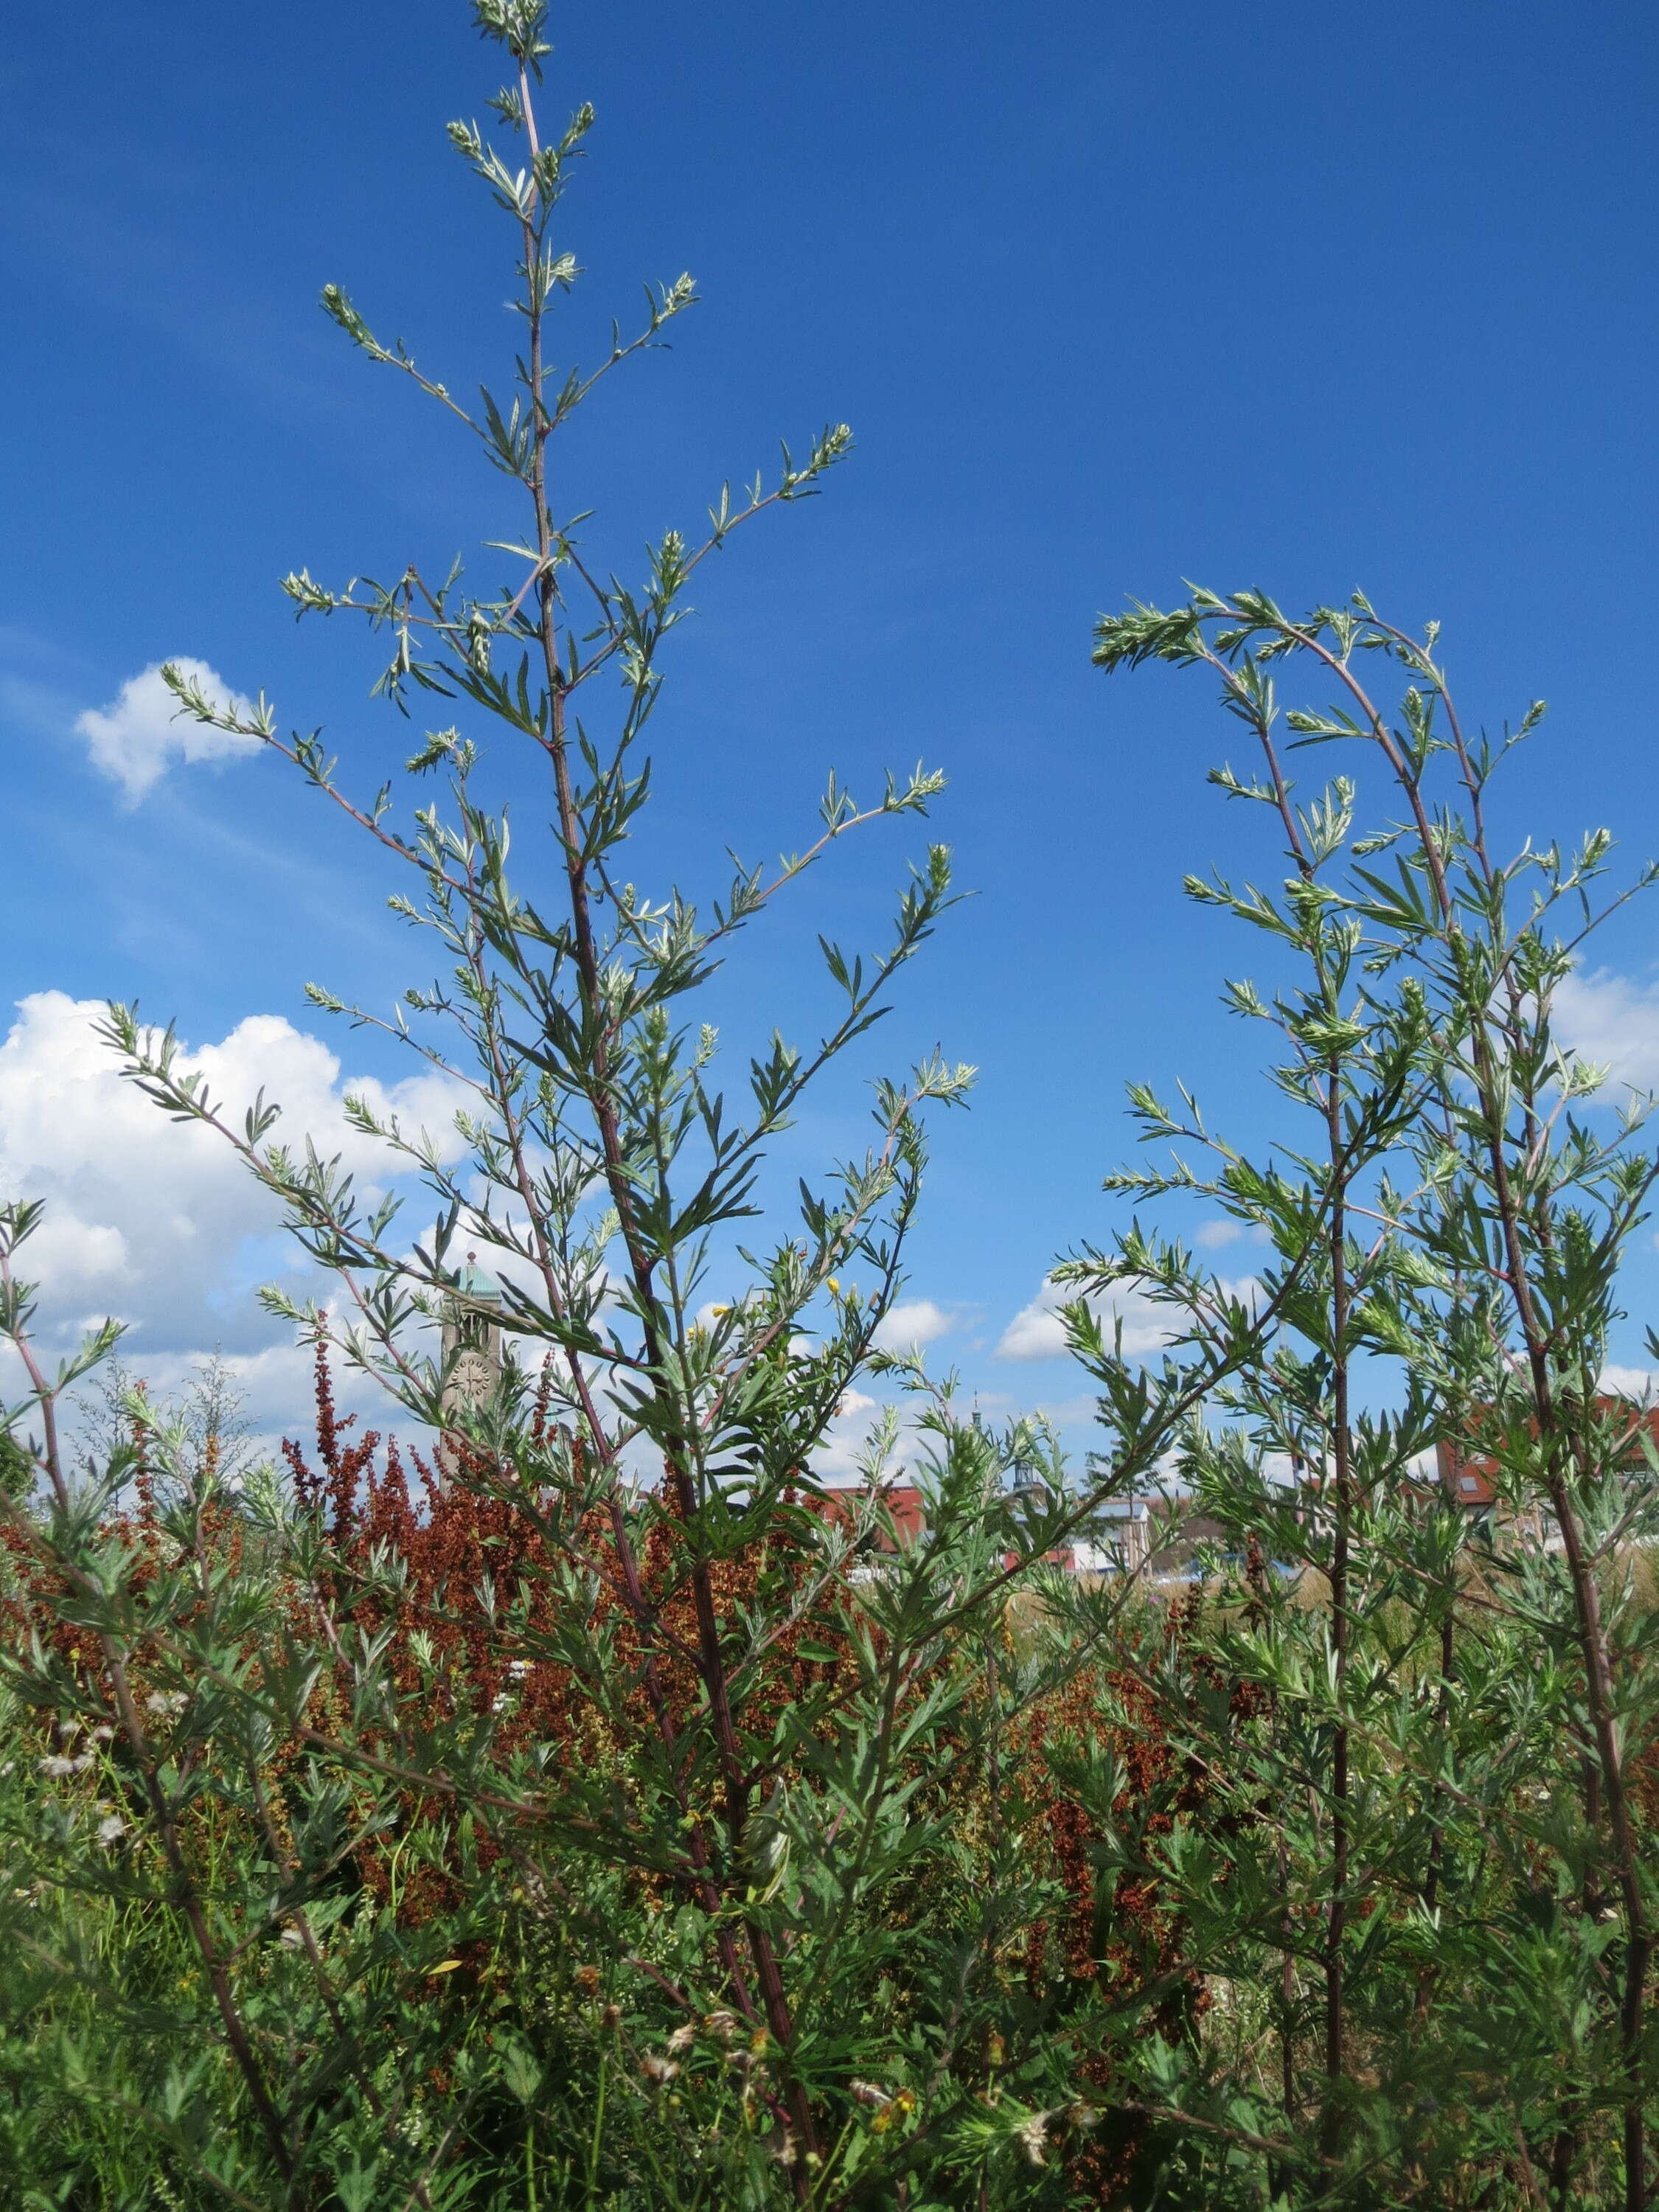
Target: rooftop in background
{"x": 1470, "y": 1478}
{"x": 903, "y": 1501}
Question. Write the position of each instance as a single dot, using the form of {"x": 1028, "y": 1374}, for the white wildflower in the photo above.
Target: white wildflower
{"x": 658, "y": 2069}
{"x": 111, "y": 1829}
{"x": 1032, "y": 2138}
{"x": 683, "y": 2038}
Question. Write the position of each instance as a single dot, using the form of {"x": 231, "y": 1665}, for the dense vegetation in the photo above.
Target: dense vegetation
{"x": 572, "y": 1812}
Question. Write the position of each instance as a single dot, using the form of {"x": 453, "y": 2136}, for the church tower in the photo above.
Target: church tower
{"x": 471, "y": 1342}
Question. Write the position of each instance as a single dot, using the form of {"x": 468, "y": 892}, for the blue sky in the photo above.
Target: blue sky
{"x": 1111, "y": 296}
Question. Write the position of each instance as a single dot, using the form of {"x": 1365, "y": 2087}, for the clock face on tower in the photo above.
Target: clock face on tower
{"x": 472, "y": 1378}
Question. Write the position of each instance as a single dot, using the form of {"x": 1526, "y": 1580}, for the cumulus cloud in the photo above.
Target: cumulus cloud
{"x": 75, "y": 1256}
{"x": 157, "y": 1222}
{"x": 913, "y": 1322}
{"x": 140, "y": 733}
{"x": 1037, "y": 1332}
{"x": 1213, "y": 1235}
{"x": 1628, "y": 1381}
{"x": 836, "y": 1456}
{"x": 1615, "y": 1023}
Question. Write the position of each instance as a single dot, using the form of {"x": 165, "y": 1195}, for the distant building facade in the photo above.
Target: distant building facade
{"x": 1472, "y": 1479}
{"x": 1118, "y": 1542}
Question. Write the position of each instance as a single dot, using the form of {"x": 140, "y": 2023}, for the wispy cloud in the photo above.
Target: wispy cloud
{"x": 33, "y": 709}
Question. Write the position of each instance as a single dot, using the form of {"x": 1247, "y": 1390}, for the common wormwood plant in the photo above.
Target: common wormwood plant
{"x": 1430, "y": 1904}
{"x": 577, "y": 1809}
{"x": 597, "y": 1816}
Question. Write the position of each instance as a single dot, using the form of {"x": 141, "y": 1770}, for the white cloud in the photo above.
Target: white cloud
{"x": 158, "y": 1222}
{"x": 1214, "y": 1234}
{"x": 78, "y": 1256}
{"x": 913, "y": 1322}
{"x": 836, "y": 1458}
{"x": 134, "y": 739}
{"x": 1613, "y": 1021}
{"x": 1628, "y": 1381}
{"x": 1037, "y": 1332}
